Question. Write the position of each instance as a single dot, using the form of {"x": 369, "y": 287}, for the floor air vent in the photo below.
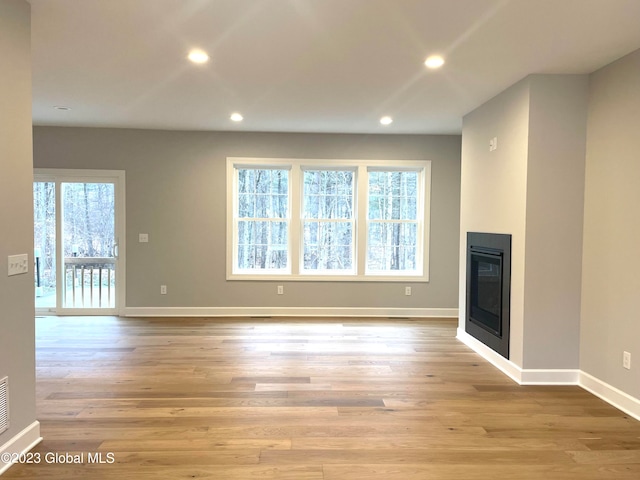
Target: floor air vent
{"x": 4, "y": 404}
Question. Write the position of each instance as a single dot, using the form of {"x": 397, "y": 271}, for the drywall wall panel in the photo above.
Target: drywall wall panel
{"x": 176, "y": 192}
{"x": 555, "y": 204}
{"x": 17, "y": 341}
{"x": 610, "y": 286}
{"x": 494, "y": 190}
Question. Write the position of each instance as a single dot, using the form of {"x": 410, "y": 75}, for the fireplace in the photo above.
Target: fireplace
{"x": 488, "y": 289}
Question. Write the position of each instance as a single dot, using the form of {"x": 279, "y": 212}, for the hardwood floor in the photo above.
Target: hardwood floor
{"x": 312, "y": 399}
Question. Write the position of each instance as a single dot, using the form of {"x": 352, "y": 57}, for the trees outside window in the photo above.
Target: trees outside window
{"x": 88, "y": 227}
{"x": 328, "y": 220}
{"x": 88, "y": 223}
{"x": 262, "y": 221}
{"x": 393, "y": 221}
{"x": 44, "y": 216}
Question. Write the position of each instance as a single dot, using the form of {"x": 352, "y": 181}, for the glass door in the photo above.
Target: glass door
{"x": 89, "y": 245}
{"x": 77, "y": 241}
{"x": 44, "y": 254}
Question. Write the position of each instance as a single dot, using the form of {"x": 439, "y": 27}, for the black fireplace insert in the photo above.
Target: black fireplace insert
{"x": 488, "y": 289}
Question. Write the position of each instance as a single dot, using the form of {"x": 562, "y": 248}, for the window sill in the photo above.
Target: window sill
{"x": 287, "y": 277}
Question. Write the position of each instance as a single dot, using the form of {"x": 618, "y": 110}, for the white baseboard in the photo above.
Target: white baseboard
{"x": 550, "y": 376}
{"x": 506, "y": 366}
{"x": 522, "y": 376}
{"x": 21, "y": 443}
{"x": 289, "y": 312}
{"x": 610, "y": 394}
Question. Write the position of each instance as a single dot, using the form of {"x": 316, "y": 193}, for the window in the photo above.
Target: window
{"x": 262, "y": 220}
{"x": 327, "y": 219}
{"x": 393, "y": 226}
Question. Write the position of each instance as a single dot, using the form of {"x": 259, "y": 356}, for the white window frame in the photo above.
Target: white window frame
{"x": 296, "y": 166}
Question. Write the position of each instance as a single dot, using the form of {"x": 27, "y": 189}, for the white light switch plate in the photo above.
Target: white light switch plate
{"x": 143, "y": 237}
{"x": 18, "y": 264}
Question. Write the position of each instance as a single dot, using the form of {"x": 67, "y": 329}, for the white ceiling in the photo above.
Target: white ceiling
{"x": 307, "y": 65}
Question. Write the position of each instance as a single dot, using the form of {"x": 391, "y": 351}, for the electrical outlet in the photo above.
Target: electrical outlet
{"x": 163, "y": 289}
{"x": 17, "y": 264}
{"x": 407, "y": 291}
{"x": 143, "y": 238}
{"x": 280, "y": 289}
{"x": 626, "y": 360}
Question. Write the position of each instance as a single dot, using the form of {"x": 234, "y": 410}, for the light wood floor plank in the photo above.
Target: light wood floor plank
{"x": 306, "y": 399}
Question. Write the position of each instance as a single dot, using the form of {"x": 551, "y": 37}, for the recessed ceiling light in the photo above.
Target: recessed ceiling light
{"x": 198, "y": 56}
{"x": 386, "y": 120}
{"x": 434, "y": 61}
{"x": 236, "y": 117}
{"x": 62, "y": 108}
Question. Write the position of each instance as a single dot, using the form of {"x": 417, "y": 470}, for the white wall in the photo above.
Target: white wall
{"x": 17, "y": 350}
{"x": 611, "y": 260}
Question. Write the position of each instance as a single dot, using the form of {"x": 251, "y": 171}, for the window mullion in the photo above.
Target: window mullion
{"x": 424, "y": 209}
{"x": 232, "y": 217}
{"x": 295, "y": 220}
{"x": 361, "y": 220}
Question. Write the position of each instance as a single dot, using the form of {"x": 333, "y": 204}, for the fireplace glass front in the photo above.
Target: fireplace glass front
{"x": 488, "y": 289}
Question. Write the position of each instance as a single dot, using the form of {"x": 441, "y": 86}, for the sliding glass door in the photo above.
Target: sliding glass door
{"x": 44, "y": 216}
{"x": 78, "y": 224}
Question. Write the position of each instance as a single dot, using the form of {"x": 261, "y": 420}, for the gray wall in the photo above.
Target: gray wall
{"x": 494, "y": 187}
{"x": 532, "y": 188}
{"x": 611, "y": 261}
{"x": 176, "y": 192}
{"x": 16, "y": 217}
{"x": 555, "y": 202}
